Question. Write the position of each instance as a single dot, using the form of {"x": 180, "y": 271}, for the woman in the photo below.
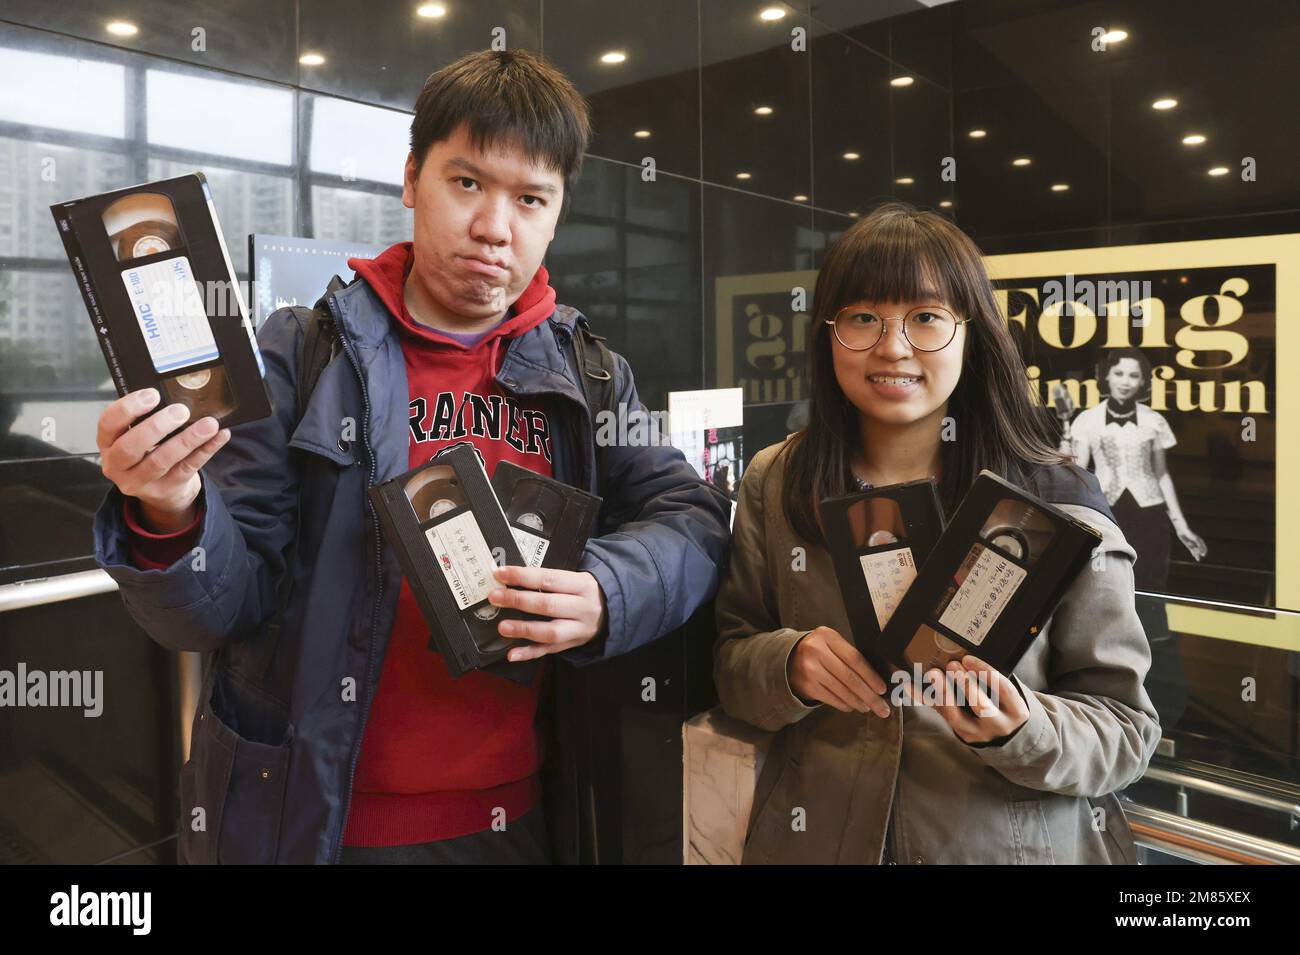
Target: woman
{"x": 1125, "y": 441}
{"x": 914, "y": 375}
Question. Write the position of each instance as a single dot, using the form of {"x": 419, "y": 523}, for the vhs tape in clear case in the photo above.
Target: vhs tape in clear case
{"x": 877, "y": 540}
{"x": 551, "y": 521}
{"x": 996, "y": 574}
{"x": 162, "y": 294}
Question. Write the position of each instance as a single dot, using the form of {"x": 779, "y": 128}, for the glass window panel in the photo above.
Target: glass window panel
{"x": 356, "y": 216}
{"x": 62, "y": 92}
{"x": 47, "y": 343}
{"x": 358, "y": 142}
{"x": 219, "y": 116}
{"x": 35, "y": 176}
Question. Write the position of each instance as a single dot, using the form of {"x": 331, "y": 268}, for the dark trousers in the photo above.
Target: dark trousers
{"x": 523, "y": 842}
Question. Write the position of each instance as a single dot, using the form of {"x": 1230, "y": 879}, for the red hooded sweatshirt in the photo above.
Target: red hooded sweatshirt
{"x": 439, "y": 755}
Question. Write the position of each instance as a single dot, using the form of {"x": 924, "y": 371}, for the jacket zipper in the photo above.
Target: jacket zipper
{"x": 379, "y": 571}
{"x": 587, "y": 482}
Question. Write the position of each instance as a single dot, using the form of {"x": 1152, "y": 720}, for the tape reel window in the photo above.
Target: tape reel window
{"x": 142, "y": 224}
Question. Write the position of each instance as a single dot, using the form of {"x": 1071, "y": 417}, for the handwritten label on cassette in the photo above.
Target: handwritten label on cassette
{"x": 988, "y": 582}
{"x": 464, "y": 558}
{"x": 888, "y": 575}
{"x": 531, "y": 546}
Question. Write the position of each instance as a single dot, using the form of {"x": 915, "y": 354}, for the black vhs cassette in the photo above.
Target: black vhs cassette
{"x": 157, "y": 280}
{"x": 996, "y": 574}
{"x": 877, "y": 540}
{"x": 449, "y": 533}
{"x": 551, "y": 521}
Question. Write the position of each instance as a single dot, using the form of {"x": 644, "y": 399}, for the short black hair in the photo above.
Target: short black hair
{"x": 1114, "y": 356}
{"x": 506, "y": 97}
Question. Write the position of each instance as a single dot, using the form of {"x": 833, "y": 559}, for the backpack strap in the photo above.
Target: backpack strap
{"x": 596, "y": 372}
{"x": 320, "y": 343}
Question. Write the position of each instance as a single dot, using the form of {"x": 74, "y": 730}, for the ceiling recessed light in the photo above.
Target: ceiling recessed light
{"x": 772, "y": 13}
{"x": 1060, "y": 186}
{"x": 1021, "y": 161}
{"x": 977, "y": 134}
{"x": 311, "y": 59}
{"x": 905, "y": 181}
{"x": 1167, "y": 102}
{"x": 800, "y": 198}
{"x": 945, "y": 204}
{"x": 431, "y": 10}
{"x": 902, "y": 81}
{"x": 853, "y": 215}
{"x": 744, "y": 175}
{"x": 1219, "y": 171}
{"x": 122, "y": 28}
{"x": 642, "y": 134}
{"x": 613, "y": 56}
{"x": 763, "y": 111}
{"x": 852, "y": 156}
{"x": 1193, "y": 139}
{"x": 1113, "y": 36}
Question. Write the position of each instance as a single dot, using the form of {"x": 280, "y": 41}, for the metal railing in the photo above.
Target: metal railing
{"x": 49, "y": 590}
{"x": 1202, "y": 841}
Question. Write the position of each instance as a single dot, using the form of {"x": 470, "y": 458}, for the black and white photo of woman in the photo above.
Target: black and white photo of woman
{"x": 1123, "y": 440}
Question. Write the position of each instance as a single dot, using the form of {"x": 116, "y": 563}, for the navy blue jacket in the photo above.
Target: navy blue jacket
{"x": 284, "y": 703}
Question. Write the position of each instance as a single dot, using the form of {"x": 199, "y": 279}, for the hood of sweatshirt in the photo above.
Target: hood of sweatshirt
{"x": 386, "y": 274}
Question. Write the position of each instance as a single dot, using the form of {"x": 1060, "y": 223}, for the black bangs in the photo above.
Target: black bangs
{"x": 896, "y": 255}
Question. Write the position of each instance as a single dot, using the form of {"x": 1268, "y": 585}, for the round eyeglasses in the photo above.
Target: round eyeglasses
{"x": 926, "y": 327}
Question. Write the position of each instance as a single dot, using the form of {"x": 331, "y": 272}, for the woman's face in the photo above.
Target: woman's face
{"x": 1124, "y": 379}
{"x": 892, "y": 382}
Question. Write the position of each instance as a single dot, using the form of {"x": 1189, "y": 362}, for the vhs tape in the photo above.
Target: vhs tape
{"x": 551, "y": 521}
{"x": 449, "y": 533}
{"x": 162, "y": 294}
{"x": 996, "y": 574}
{"x": 877, "y": 540}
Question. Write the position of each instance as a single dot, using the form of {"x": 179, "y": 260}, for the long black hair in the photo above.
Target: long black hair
{"x": 898, "y": 254}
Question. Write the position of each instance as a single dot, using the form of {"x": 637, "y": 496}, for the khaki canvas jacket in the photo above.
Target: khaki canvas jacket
{"x": 1046, "y": 795}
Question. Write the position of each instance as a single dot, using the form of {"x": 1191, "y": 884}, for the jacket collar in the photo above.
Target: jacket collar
{"x": 535, "y": 364}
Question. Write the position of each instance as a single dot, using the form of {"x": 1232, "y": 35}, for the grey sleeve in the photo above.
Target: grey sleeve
{"x": 1093, "y": 730}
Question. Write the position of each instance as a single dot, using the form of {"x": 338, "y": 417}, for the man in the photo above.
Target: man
{"x": 327, "y": 731}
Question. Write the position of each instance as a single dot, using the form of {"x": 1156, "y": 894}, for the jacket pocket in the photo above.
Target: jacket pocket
{"x": 1031, "y": 843}
{"x": 236, "y": 779}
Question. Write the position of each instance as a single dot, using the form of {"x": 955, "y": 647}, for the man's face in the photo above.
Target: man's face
{"x": 483, "y": 222}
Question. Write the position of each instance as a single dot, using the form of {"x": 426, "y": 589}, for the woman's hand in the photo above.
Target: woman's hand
{"x": 979, "y": 684}
{"x": 827, "y": 668}
{"x": 1193, "y": 541}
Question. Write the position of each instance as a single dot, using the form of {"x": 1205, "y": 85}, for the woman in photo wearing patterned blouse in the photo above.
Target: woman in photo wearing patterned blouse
{"x": 1124, "y": 442}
